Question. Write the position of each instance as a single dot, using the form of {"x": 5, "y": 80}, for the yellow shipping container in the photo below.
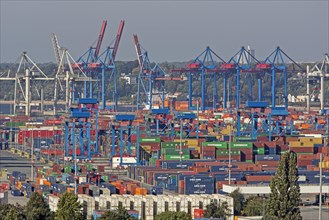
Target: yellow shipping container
{"x": 307, "y": 139}
{"x": 317, "y": 140}
{"x": 294, "y": 144}
{"x": 225, "y": 131}
{"x": 192, "y": 142}
{"x": 307, "y": 144}
{"x": 325, "y": 164}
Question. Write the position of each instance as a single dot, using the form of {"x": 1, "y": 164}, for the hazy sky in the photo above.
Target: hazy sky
{"x": 169, "y": 30}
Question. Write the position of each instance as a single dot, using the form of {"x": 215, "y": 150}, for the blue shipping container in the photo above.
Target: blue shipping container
{"x": 16, "y": 192}
{"x": 156, "y": 190}
{"x": 271, "y": 157}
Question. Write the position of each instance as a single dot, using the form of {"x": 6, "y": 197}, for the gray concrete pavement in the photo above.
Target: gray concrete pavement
{"x": 312, "y": 213}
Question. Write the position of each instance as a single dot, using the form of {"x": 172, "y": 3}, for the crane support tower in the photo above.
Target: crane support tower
{"x": 151, "y": 79}
{"x": 203, "y": 66}
{"x": 79, "y": 133}
{"x": 121, "y": 132}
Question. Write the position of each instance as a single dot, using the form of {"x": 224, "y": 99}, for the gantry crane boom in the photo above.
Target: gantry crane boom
{"x": 56, "y": 48}
{"x": 117, "y": 40}
{"x": 138, "y": 50}
{"x": 100, "y": 39}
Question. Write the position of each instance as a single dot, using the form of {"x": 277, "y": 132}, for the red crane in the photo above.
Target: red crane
{"x": 100, "y": 39}
{"x": 117, "y": 40}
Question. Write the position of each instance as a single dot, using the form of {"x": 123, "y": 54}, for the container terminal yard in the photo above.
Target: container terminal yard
{"x": 161, "y": 154}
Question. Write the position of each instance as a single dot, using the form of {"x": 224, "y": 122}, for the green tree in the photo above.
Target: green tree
{"x": 238, "y": 200}
{"x": 37, "y": 208}
{"x": 254, "y": 206}
{"x": 9, "y": 211}
{"x": 214, "y": 210}
{"x": 69, "y": 208}
{"x": 119, "y": 214}
{"x": 285, "y": 192}
{"x": 173, "y": 216}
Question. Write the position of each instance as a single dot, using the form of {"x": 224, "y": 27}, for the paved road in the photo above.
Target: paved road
{"x": 11, "y": 162}
{"x": 312, "y": 213}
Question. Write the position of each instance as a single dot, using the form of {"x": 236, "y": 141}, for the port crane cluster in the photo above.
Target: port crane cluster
{"x": 83, "y": 82}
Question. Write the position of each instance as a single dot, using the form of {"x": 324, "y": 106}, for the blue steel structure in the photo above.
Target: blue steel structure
{"x": 93, "y": 63}
{"x": 107, "y": 63}
{"x": 118, "y": 139}
{"x": 275, "y": 64}
{"x": 78, "y": 129}
{"x": 242, "y": 62}
{"x": 151, "y": 79}
{"x": 202, "y": 66}
{"x": 87, "y": 63}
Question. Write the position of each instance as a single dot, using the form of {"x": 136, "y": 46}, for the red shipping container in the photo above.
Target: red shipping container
{"x": 302, "y": 149}
{"x": 255, "y": 178}
{"x": 155, "y": 148}
{"x": 208, "y": 148}
{"x": 209, "y": 153}
{"x": 198, "y": 213}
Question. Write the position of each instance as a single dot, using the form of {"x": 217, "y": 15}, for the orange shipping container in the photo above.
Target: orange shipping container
{"x": 19, "y": 185}
{"x": 141, "y": 191}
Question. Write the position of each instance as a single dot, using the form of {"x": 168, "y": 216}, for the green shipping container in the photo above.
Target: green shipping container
{"x": 171, "y": 144}
{"x": 250, "y": 161}
{"x": 177, "y": 157}
{"x": 150, "y": 139}
{"x": 14, "y": 124}
{"x": 169, "y": 151}
{"x": 105, "y": 178}
{"x": 152, "y": 161}
{"x": 67, "y": 169}
{"x": 241, "y": 145}
{"x": 221, "y": 145}
{"x": 259, "y": 151}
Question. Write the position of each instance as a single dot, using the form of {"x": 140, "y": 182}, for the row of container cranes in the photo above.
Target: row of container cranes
{"x": 81, "y": 83}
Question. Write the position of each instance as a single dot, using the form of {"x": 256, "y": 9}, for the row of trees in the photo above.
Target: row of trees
{"x": 38, "y": 209}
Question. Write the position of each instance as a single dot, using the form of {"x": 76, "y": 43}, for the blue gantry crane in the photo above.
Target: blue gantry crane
{"x": 241, "y": 62}
{"x": 121, "y": 137}
{"x": 107, "y": 63}
{"x": 204, "y": 65}
{"x": 78, "y": 127}
{"x": 87, "y": 62}
{"x": 275, "y": 64}
{"x": 93, "y": 62}
{"x": 151, "y": 79}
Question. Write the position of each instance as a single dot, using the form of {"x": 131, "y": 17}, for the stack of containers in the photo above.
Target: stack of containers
{"x": 219, "y": 148}
{"x": 267, "y": 160}
{"x": 208, "y": 152}
{"x": 258, "y": 148}
{"x": 298, "y": 147}
{"x": 171, "y": 151}
{"x": 223, "y": 155}
{"x": 270, "y": 148}
{"x": 199, "y": 184}
{"x": 152, "y": 146}
{"x": 246, "y": 149}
